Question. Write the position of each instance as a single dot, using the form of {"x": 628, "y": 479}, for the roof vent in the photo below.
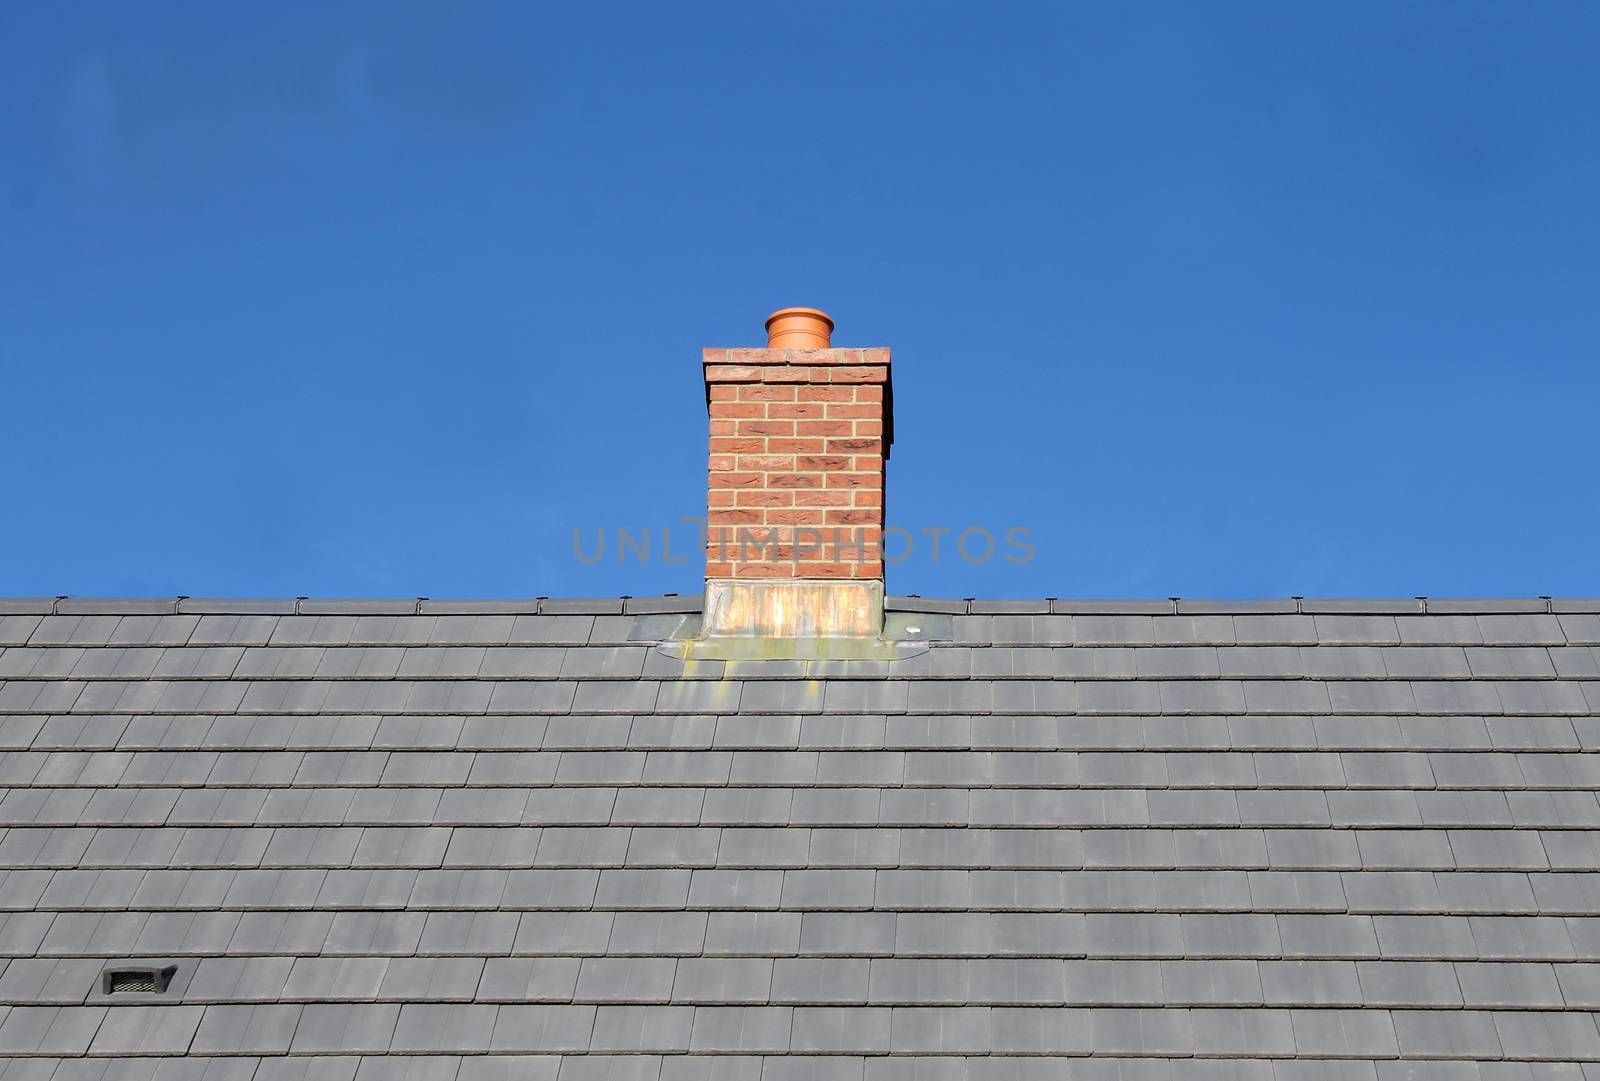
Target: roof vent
{"x": 136, "y": 981}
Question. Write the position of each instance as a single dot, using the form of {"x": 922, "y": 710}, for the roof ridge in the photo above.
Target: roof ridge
{"x": 675, "y": 603}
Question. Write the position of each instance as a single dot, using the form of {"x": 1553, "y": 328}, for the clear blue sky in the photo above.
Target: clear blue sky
{"x": 1217, "y": 300}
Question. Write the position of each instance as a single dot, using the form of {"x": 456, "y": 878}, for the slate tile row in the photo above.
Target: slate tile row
{"x": 1295, "y": 734}
{"x": 1371, "y": 892}
{"x": 830, "y": 981}
{"x": 650, "y": 934}
{"x": 963, "y": 773}
{"x": 962, "y": 697}
{"x": 1083, "y": 630}
{"x": 943, "y": 662}
{"x": 86, "y": 732}
{"x": 1466, "y": 812}
{"x": 595, "y": 847}
{"x": 411, "y": 1028}
{"x": 727, "y": 1067}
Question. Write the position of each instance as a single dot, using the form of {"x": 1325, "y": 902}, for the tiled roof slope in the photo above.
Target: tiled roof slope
{"x": 1298, "y": 840}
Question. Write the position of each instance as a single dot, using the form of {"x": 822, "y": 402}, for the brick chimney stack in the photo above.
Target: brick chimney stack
{"x": 800, "y": 432}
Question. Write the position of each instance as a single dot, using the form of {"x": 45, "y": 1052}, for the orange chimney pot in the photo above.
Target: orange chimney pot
{"x": 798, "y": 328}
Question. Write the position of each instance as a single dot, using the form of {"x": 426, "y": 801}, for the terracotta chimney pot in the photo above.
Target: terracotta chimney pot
{"x": 798, "y": 328}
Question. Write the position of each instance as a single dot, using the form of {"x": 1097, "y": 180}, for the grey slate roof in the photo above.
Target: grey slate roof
{"x": 1292, "y": 840}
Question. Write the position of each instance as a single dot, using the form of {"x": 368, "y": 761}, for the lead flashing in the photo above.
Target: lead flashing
{"x": 799, "y": 608}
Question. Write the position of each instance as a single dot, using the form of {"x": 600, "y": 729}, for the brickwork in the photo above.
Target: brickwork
{"x": 799, "y": 438}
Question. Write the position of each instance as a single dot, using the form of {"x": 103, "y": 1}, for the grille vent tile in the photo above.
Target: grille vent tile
{"x": 137, "y": 981}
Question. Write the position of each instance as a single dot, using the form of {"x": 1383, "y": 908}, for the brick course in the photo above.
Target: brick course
{"x": 798, "y": 442}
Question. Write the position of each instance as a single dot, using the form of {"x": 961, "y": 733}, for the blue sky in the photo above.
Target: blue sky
{"x": 1216, "y": 300}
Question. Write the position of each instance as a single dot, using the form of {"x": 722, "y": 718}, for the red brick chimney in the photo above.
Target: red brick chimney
{"x": 800, "y": 432}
